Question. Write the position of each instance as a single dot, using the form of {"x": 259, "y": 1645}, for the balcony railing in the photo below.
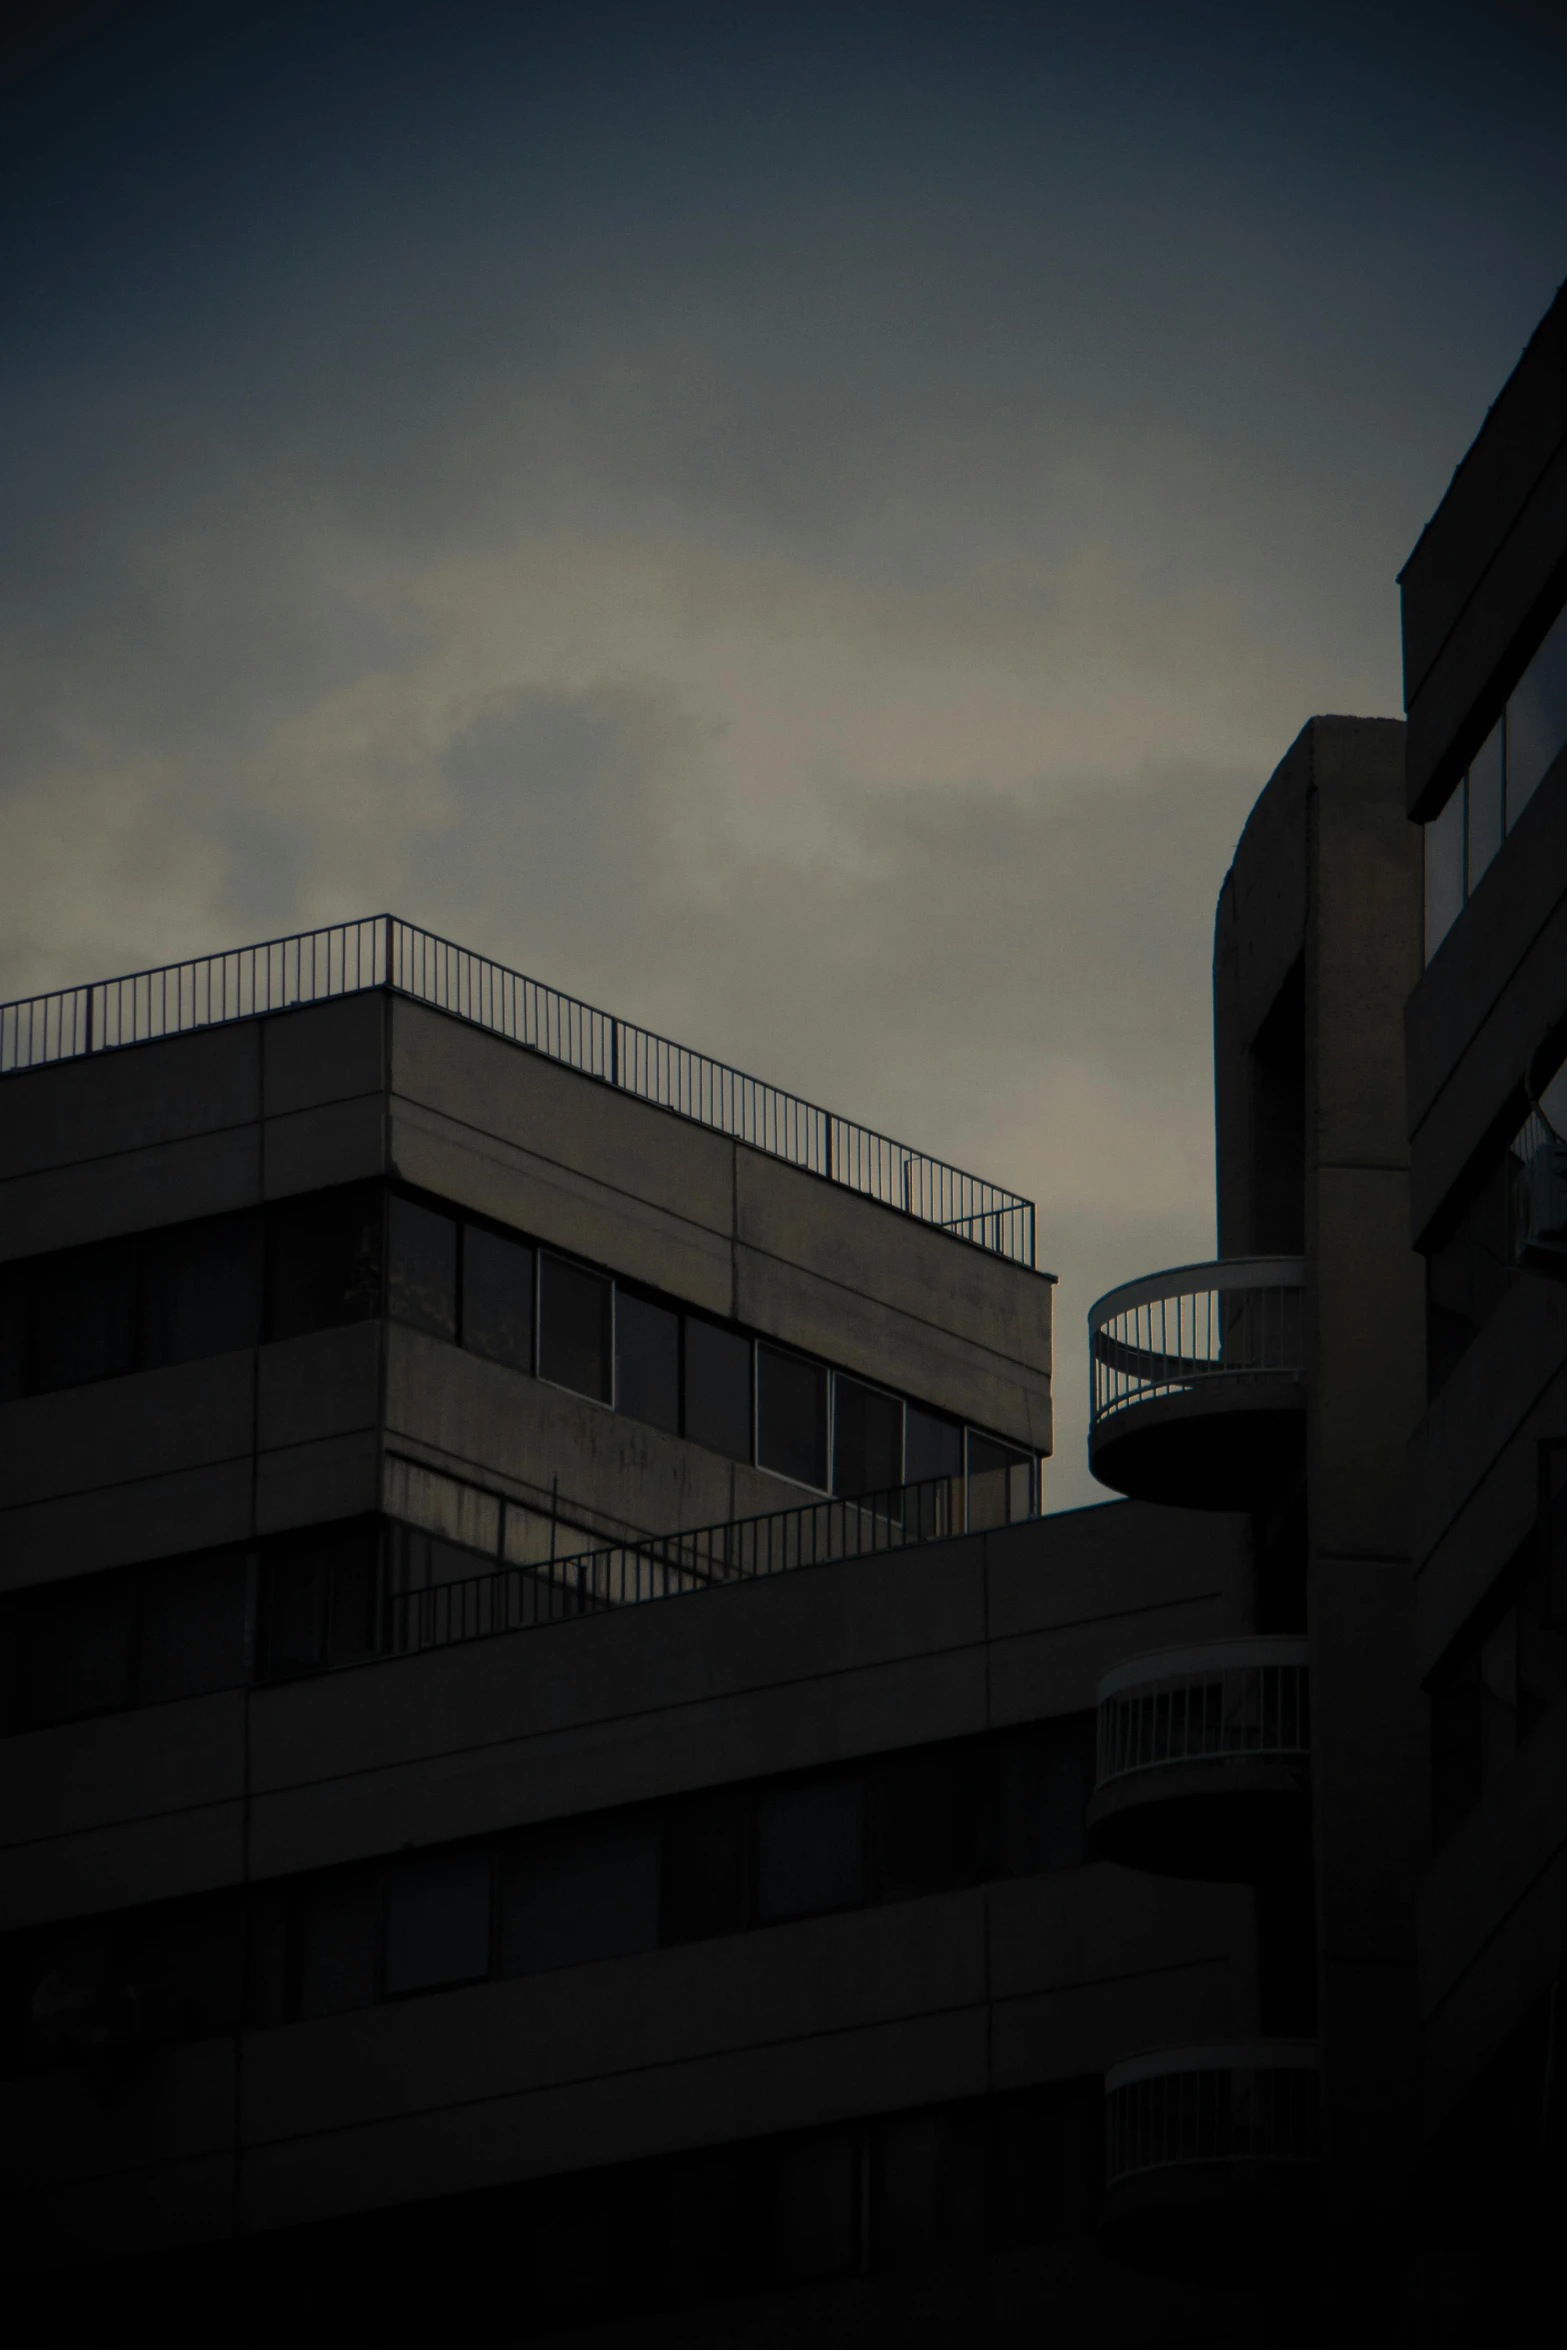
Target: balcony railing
{"x": 382, "y": 951}
{"x": 1235, "y": 1698}
{"x": 1239, "y": 1318}
{"x": 409, "y": 1619}
{"x": 1256, "y": 2103}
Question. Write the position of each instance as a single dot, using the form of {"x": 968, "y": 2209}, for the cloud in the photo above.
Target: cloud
{"x": 825, "y": 575}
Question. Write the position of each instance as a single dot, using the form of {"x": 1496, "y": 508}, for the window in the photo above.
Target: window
{"x": 1000, "y": 1483}
{"x": 575, "y": 1315}
{"x": 421, "y": 1272}
{"x": 200, "y": 1290}
{"x": 337, "y": 1934}
{"x": 1537, "y": 719}
{"x": 791, "y": 1416}
{"x": 930, "y": 2190}
{"x": 191, "y": 1628}
{"x": 647, "y": 1361}
{"x": 1508, "y": 1669}
{"x": 1468, "y": 1267}
{"x": 867, "y": 1438}
{"x": 810, "y": 1848}
{"x": 718, "y": 1388}
{"x": 84, "y": 1326}
{"x": 815, "y": 2207}
{"x": 583, "y": 1894}
{"x": 437, "y": 1920}
{"x": 321, "y": 1600}
{"x": 14, "y": 1286}
{"x": 932, "y": 1447}
{"x": 703, "y": 1887}
{"x": 1046, "y": 1777}
{"x": 497, "y": 1297}
{"x": 1487, "y": 801}
{"x": 1049, "y": 2164}
{"x": 100, "y": 1643}
{"x": 926, "y": 1819}
{"x": 901, "y": 1826}
{"x": 324, "y": 1260}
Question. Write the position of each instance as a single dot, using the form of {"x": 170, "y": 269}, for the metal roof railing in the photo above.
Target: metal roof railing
{"x": 1165, "y": 1334}
{"x": 1258, "y": 2102}
{"x": 1229, "y": 1698}
{"x": 206, "y": 991}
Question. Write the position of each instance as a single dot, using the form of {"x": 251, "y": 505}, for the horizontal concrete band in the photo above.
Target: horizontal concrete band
{"x": 1200, "y": 1664}
{"x": 1237, "y": 2056}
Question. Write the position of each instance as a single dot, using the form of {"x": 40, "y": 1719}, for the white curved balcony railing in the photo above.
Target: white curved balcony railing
{"x": 1257, "y": 2102}
{"x": 1240, "y": 1317}
{"x": 1231, "y": 1698}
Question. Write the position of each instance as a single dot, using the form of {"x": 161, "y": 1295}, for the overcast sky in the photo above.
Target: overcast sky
{"x": 807, "y": 527}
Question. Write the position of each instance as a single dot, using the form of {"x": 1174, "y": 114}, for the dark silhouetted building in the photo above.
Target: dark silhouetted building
{"x": 1485, "y": 675}
{"x": 556, "y": 1784}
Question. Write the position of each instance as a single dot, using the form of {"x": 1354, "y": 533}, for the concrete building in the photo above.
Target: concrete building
{"x": 1283, "y": 1380}
{"x": 555, "y": 1784}
{"x": 1485, "y": 673}
{"x": 410, "y": 1930}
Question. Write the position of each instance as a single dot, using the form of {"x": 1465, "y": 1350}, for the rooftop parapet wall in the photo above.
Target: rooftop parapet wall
{"x": 381, "y": 951}
{"x": 374, "y": 1084}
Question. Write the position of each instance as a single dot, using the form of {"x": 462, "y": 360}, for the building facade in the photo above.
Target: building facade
{"x": 546, "y": 1745}
{"x": 1282, "y": 1380}
{"x": 1485, "y": 670}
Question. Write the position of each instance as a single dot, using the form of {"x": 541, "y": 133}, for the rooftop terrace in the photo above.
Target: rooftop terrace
{"x": 383, "y": 951}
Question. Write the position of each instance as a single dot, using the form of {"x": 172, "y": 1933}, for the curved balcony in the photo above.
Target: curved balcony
{"x": 1212, "y": 2158}
{"x": 1203, "y": 1759}
{"x": 1197, "y": 1391}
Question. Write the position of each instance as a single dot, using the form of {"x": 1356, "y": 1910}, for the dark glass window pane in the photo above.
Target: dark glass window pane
{"x": 1049, "y": 2164}
{"x": 718, "y": 1388}
{"x": 647, "y": 1362}
{"x": 323, "y": 1260}
{"x": 1000, "y": 1483}
{"x": 437, "y": 1921}
{"x": 339, "y": 1939}
{"x": 64, "y": 1995}
{"x": 791, "y": 1416}
{"x": 815, "y": 2203}
{"x": 179, "y": 1971}
{"x": 295, "y": 1595}
{"x": 571, "y": 1898}
{"x": 353, "y": 1627}
{"x": 1046, "y": 1778}
{"x": 421, "y": 1272}
{"x": 930, "y": 2191}
{"x": 708, "y": 2223}
{"x": 810, "y": 1848}
{"x": 77, "y": 1644}
{"x": 1537, "y": 719}
{"x": 13, "y": 1331}
{"x": 867, "y": 1438}
{"x": 266, "y": 1972}
{"x": 84, "y": 1315}
{"x": 497, "y": 1297}
{"x": 1444, "y": 854}
{"x": 926, "y": 1818}
{"x": 933, "y": 1447}
{"x": 200, "y": 1290}
{"x": 703, "y": 1879}
{"x": 1457, "y": 1783}
{"x": 1485, "y": 809}
{"x": 191, "y": 1634}
{"x": 574, "y": 1327}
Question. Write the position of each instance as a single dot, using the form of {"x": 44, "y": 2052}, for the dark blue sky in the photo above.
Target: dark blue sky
{"x": 813, "y": 525}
